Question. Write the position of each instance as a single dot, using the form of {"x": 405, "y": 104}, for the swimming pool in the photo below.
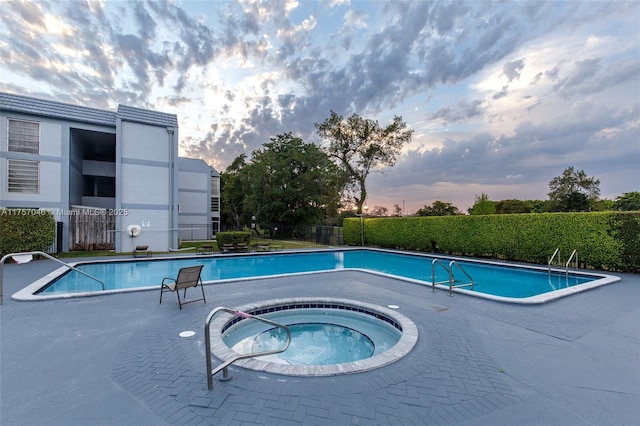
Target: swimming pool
{"x": 494, "y": 280}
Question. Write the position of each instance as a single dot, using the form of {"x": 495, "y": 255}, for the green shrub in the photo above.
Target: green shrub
{"x": 625, "y": 227}
{"x": 24, "y": 230}
{"x": 234, "y": 238}
{"x": 604, "y": 240}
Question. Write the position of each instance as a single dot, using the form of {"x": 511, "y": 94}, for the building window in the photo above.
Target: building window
{"x": 24, "y": 176}
{"x": 215, "y": 185}
{"x": 215, "y": 204}
{"x": 24, "y": 136}
{"x": 215, "y": 226}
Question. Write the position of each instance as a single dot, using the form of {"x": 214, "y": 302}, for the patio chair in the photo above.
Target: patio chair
{"x": 187, "y": 277}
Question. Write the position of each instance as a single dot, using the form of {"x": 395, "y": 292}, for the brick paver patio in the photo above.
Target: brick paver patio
{"x": 119, "y": 360}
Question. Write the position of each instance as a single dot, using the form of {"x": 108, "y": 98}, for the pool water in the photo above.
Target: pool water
{"x": 318, "y": 336}
{"x": 316, "y": 344}
{"x": 489, "y": 278}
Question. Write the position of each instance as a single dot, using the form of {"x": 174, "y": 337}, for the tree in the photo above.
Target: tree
{"x": 234, "y": 192}
{"x": 397, "y": 210}
{"x": 629, "y": 201}
{"x": 361, "y": 146}
{"x": 292, "y": 183}
{"x": 482, "y": 205}
{"x": 380, "y": 211}
{"x": 603, "y": 205}
{"x": 438, "y": 208}
{"x": 512, "y": 206}
{"x": 538, "y": 206}
{"x": 573, "y": 191}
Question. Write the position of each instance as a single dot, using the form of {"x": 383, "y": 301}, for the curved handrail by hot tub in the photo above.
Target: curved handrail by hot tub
{"x": 225, "y": 364}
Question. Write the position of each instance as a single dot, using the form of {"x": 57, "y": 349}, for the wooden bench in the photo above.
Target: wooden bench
{"x": 234, "y": 248}
{"x": 141, "y": 251}
{"x": 226, "y": 248}
{"x": 205, "y": 249}
{"x": 241, "y": 247}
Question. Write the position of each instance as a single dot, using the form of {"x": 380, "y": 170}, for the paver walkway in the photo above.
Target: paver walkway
{"x": 119, "y": 360}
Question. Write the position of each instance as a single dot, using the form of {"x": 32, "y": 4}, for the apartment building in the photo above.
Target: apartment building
{"x": 115, "y": 167}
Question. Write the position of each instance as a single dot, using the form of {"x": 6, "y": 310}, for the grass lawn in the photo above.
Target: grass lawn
{"x": 282, "y": 244}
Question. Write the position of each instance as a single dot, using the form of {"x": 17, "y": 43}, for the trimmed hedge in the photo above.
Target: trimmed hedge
{"x": 604, "y": 240}
{"x": 235, "y": 237}
{"x": 26, "y": 230}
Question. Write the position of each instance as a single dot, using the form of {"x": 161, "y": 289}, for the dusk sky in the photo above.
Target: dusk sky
{"x": 502, "y": 96}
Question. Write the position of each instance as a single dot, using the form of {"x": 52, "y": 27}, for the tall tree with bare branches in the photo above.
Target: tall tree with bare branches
{"x": 361, "y": 146}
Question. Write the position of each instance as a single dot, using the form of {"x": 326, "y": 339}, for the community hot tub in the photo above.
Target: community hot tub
{"x": 328, "y": 336}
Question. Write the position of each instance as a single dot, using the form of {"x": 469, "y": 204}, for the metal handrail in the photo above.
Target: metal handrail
{"x": 224, "y": 365}
{"x": 4, "y": 258}
{"x": 557, "y": 252}
{"x": 566, "y": 266}
{"x": 433, "y": 273}
{"x": 452, "y": 277}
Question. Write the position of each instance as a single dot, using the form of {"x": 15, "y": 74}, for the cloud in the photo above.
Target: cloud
{"x": 353, "y": 22}
{"x": 590, "y": 76}
{"x": 536, "y": 152}
{"x": 462, "y": 111}
{"x": 354, "y": 19}
{"x": 492, "y": 89}
{"x": 512, "y": 69}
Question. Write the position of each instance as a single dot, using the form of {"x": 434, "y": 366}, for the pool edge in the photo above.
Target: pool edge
{"x": 407, "y": 342}
{"x": 29, "y": 293}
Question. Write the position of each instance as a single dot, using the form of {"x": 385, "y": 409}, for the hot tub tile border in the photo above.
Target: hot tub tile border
{"x": 408, "y": 338}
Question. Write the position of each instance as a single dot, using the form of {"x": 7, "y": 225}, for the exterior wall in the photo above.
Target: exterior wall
{"x": 55, "y": 165}
{"x": 193, "y": 198}
{"x": 144, "y": 180}
{"x": 49, "y": 158}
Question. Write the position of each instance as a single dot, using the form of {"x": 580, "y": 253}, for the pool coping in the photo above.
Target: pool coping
{"x": 408, "y": 340}
{"x": 28, "y": 293}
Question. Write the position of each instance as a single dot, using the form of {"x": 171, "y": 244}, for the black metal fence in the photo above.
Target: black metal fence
{"x": 329, "y": 235}
{"x": 319, "y": 234}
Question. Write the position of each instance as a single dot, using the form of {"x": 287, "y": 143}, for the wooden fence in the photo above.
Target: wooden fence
{"x": 91, "y": 229}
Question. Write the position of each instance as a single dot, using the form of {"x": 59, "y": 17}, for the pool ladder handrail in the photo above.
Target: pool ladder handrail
{"x": 224, "y": 366}
{"x": 553, "y": 256}
{"x": 574, "y": 253}
{"x": 452, "y": 278}
{"x": 435, "y": 262}
{"x": 43, "y": 254}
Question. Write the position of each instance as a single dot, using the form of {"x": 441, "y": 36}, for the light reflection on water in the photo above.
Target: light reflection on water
{"x": 311, "y": 344}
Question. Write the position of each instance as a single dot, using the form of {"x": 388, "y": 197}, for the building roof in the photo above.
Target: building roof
{"x": 47, "y": 108}
{"x": 36, "y": 106}
{"x": 195, "y": 165}
{"x": 146, "y": 116}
